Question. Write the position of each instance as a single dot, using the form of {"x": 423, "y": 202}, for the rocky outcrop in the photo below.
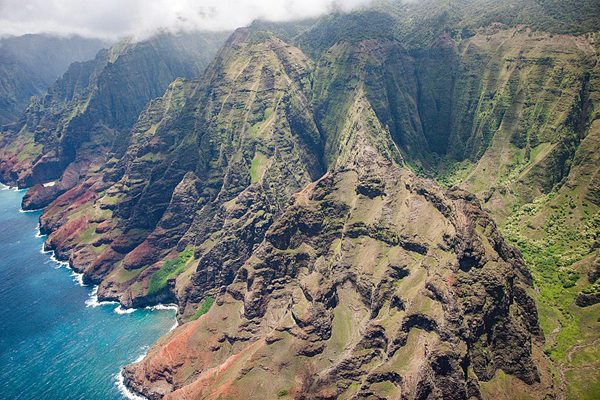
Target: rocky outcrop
{"x": 325, "y": 310}
{"x": 586, "y": 299}
{"x": 278, "y": 184}
{"x": 31, "y": 63}
{"x": 93, "y": 105}
{"x": 209, "y": 178}
{"x": 42, "y": 195}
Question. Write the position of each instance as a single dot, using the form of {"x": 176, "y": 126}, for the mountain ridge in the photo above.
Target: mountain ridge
{"x": 278, "y": 185}
{"x": 30, "y": 63}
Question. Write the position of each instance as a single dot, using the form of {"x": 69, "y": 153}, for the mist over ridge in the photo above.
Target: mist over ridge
{"x": 114, "y": 19}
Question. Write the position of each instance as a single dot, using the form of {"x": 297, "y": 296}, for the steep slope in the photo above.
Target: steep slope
{"x": 524, "y": 125}
{"x": 207, "y": 168}
{"x": 95, "y": 103}
{"x": 558, "y": 228}
{"x": 31, "y": 63}
{"x": 373, "y": 283}
{"x": 419, "y": 23}
{"x": 385, "y": 73}
{"x": 525, "y": 118}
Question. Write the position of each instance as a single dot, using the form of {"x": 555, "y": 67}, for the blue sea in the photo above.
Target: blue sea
{"x": 56, "y": 341}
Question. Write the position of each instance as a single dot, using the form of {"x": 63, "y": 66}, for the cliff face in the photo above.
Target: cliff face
{"x": 539, "y": 179}
{"x": 208, "y": 166}
{"x": 372, "y": 283}
{"x": 90, "y": 110}
{"x": 204, "y": 184}
{"x": 31, "y": 63}
{"x": 279, "y": 200}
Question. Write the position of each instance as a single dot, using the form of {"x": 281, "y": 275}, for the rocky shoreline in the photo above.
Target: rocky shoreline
{"x": 279, "y": 197}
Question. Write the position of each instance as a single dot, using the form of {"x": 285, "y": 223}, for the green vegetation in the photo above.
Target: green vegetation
{"x": 113, "y": 199}
{"x": 170, "y": 269}
{"x": 551, "y": 259}
{"x": 206, "y": 305}
{"x": 29, "y": 151}
{"x": 351, "y": 27}
{"x": 150, "y": 157}
{"x": 99, "y": 249}
{"x": 418, "y": 23}
{"x": 89, "y": 234}
{"x": 500, "y": 111}
{"x": 257, "y": 166}
{"x": 126, "y": 275}
{"x": 595, "y": 288}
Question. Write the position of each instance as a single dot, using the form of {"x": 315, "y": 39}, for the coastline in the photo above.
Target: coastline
{"x": 94, "y": 302}
{"x": 120, "y": 378}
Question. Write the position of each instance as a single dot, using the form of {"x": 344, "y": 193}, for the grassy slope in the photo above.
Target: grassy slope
{"x": 524, "y": 129}
{"x": 539, "y": 177}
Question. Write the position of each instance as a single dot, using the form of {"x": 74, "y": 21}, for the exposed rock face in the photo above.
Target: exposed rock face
{"x": 588, "y": 299}
{"x": 367, "y": 282}
{"x": 31, "y": 63}
{"x": 591, "y": 294}
{"x": 365, "y": 296}
{"x": 42, "y": 195}
{"x": 86, "y": 112}
{"x": 208, "y": 177}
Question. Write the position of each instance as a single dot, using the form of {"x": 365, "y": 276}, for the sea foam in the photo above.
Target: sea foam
{"x": 90, "y": 297}
{"x": 122, "y": 310}
{"x": 93, "y": 300}
{"x": 163, "y": 307}
{"x": 166, "y": 307}
{"x": 29, "y": 211}
{"x": 120, "y": 382}
{"x": 78, "y": 278}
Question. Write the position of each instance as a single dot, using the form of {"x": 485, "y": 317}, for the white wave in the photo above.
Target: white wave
{"x": 29, "y": 211}
{"x": 120, "y": 380}
{"x": 44, "y": 251}
{"x": 163, "y": 307}
{"x": 38, "y": 233}
{"x": 56, "y": 260}
{"x": 121, "y": 310}
{"x": 93, "y": 300}
{"x": 50, "y": 259}
{"x": 175, "y": 325}
{"x": 15, "y": 188}
{"x": 145, "y": 351}
{"x": 77, "y": 277}
{"x": 120, "y": 383}
{"x": 166, "y": 307}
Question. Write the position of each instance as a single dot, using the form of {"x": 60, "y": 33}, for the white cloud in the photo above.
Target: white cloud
{"x": 117, "y": 18}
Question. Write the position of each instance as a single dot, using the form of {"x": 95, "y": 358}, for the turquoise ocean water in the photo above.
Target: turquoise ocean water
{"x": 56, "y": 341}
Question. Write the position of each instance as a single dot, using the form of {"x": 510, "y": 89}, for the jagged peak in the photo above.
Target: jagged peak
{"x": 363, "y": 139}
{"x": 120, "y": 48}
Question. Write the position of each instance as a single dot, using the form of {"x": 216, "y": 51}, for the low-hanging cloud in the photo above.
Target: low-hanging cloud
{"x": 112, "y": 19}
